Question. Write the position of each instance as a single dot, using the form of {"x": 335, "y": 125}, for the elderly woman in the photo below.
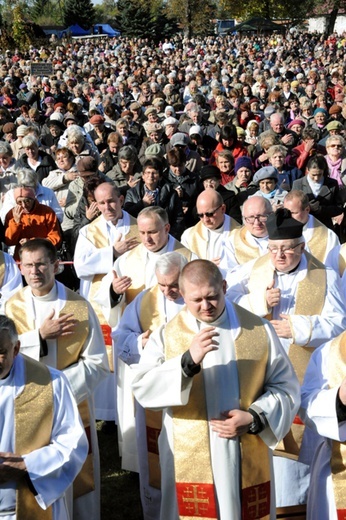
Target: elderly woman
{"x": 266, "y": 179}
{"x": 287, "y": 174}
{"x": 225, "y": 163}
{"x": 336, "y": 159}
{"x": 79, "y": 144}
{"x": 129, "y": 138}
{"x": 37, "y": 160}
{"x": 127, "y": 172}
{"x": 28, "y": 178}
{"x": 152, "y": 190}
{"x": 325, "y": 198}
{"x": 241, "y": 184}
{"x": 59, "y": 180}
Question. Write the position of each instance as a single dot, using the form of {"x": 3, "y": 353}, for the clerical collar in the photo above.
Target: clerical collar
{"x": 281, "y": 273}
{"x": 221, "y": 320}
{"x": 217, "y": 230}
{"x": 51, "y": 296}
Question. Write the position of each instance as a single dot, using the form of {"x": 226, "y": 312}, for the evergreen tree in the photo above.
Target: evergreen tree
{"x": 136, "y": 19}
{"x": 79, "y": 11}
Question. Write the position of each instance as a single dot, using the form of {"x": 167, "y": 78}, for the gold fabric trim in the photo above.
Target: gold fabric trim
{"x": 95, "y": 234}
{"x": 2, "y": 268}
{"x": 33, "y": 412}
{"x": 191, "y": 430}
{"x": 197, "y": 238}
{"x": 135, "y": 268}
{"x": 319, "y": 241}
{"x": 69, "y": 348}
{"x": 244, "y": 252}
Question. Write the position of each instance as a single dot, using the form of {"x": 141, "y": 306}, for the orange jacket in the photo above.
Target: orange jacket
{"x": 41, "y": 222}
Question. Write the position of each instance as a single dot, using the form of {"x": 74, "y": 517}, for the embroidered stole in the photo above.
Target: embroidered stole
{"x": 244, "y": 252}
{"x": 318, "y": 243}
{"x": 198, "y": 243}
{"x": 152, "y": 317}
{"x": 136, "y": 269}
{"x": 309, "y": 300}
{"x": 2, "y": 268}
{"x": 193, "y": 471}
{"x": 337, "y": 372}
{"x": 96, "y": 235}
{"x": 68, "y": 352}
{"x": 33, "y": 412}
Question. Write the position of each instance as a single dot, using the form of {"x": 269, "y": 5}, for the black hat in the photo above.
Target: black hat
{"x": 281, "y": 225}
{"x": 209, "y": 172}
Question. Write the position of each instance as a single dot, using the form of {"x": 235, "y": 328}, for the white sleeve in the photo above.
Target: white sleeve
{"x": 127, "y": 336}
{"x": 90, "y": 260}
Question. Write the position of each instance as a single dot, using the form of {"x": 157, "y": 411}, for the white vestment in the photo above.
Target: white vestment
{"x": 160, "y": 384}
{"x": 126, "y": 420}
{"x": 12, "y": 281}
{"x": 128, "y": 346}
{"x": 308, "y": 232}
{"x": 212, "y": 239}
{"x": 83, "y": 376}
{"x": 292, "y": 486}
{"x": 89, "y": 261}
{"x": 51, "y": 468}
{"x": 229, "y": 253}
{"x": 319, "y": 414}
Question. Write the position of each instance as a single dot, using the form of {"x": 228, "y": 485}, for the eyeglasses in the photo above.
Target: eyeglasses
{"x": 282, "y": 250}
{"x": 40, "y": 266}
{"x": 252, "y": 218}
{"x": 26, "y": 202}
{"x": 208, "y": 214}
{"x": 335, "y": 146}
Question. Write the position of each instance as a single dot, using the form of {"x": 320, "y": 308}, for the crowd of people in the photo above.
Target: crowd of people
{"x": 196, "y": 191}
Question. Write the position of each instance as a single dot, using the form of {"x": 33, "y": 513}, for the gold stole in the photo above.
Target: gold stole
{"x": 319, "y": 241}
{"x": 151, "y": 317}
{"x": 194, "y": 477}
{"x": 337, "y": 372}
{"x": 68, "y": 352}
{"x": 309, "y": 301}
{"x": 198, "y": 238}
{"x": 342, "y": 259}
{"x": 33, "y": 412}
{"x": 134, "y": 266}
{"x": 244, "y": 252}
{"x": 2, "y": 268}
{"x": 95, "y": 234}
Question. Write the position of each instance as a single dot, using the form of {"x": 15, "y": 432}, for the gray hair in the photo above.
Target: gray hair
{"x": 75, "y": 133}
{"x": 5, "y": 149}
{"x": 169, "y": 261}
{"x": 29, "y": 140}
{"x": 27, "y": 177}
{"x": 8, "y": 325}
{"x": 128, "y": 153}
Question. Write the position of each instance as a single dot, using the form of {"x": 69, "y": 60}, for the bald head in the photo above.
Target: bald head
{"x": 259, "y": 207}
{"x": 109, "y": 202}
{"x": 210, "y": 208}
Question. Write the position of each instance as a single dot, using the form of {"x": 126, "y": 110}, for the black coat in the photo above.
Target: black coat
{"x": 329, "y": 199}
{"x": 43, "y": 170}
{"x": 168, "y": 200}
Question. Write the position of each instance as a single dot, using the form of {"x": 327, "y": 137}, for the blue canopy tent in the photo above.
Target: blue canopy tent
{"x": 77, "y": 30}
{"x": 105, "y": 28}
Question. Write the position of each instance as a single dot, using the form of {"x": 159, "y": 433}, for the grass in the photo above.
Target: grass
{"x": 119, "y": 489}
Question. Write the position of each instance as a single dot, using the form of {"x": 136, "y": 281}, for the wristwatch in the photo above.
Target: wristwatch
{"x": 258, "y": 422}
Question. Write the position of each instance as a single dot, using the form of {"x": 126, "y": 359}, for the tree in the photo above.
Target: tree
{"x": 21, "y": 34}
{"x": 136, "y": 19}
{"x": 273, "y": 9}
{"x": 193, "y": 15}
{"x": 79, "y": 11}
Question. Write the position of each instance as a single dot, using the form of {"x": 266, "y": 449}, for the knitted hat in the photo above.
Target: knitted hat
{"x": 21, "y": 130}
{"x": 243, "y": 162}
{"x": 296, "y": 122}
{"x": 154, "y": 150}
